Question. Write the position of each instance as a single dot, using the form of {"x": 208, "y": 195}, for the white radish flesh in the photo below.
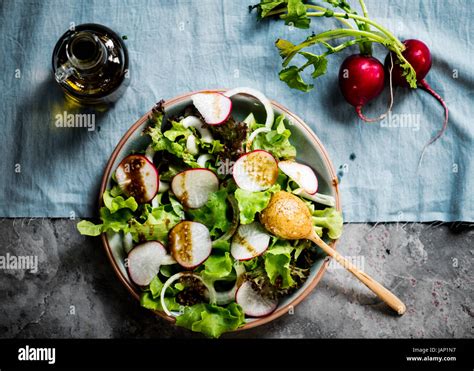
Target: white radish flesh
{"x": 303, "y": 175}
{"x": 193, "y": 121}
{"x": 138, "y": 178}
{"x": 192, "y": 187}
{"x": 259, "y": 96}
{"x": 190, "y": 243}
{"x": 144, "y": 262}
{"x": 249, "y": 241}
{"x": 252, "y": 303}
{"x": 255, "y": 171}
{"x": 215, "y": 108}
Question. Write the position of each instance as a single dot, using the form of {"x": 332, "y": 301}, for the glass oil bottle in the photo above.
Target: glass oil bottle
{"x": 90, "y": 63}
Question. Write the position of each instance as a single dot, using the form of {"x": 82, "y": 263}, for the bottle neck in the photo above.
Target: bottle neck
{"x": 86, "y": 52}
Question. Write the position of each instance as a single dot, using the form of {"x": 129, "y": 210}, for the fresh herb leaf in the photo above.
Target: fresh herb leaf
{"x": 266, "y": 6}
{"x": 319, "y": 62}
{"x": 296, "y": 15}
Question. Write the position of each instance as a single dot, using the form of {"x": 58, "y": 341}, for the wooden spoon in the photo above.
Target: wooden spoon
{"x": 286, "y": 216}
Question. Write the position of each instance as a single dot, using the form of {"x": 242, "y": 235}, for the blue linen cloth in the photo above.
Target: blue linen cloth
{"x": 181, "y": 46}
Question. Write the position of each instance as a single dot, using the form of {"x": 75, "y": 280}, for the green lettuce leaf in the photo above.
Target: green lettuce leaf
{"x": 88, "y": 228}
{"x": 118, "y": 202}
{"x": 157, "y": 225}
{"x": 217, "y": 267}
{"x": 221, "y": 245}
{"x": 176, "y": 145}
{"x": 277, "y": 263}
{"x": 148, "y": 301}
{"x": 214, "y": 213}
{"x": 114, "y": 215}
{"x": 329, "y": 220}
{"x": 251, "y": 203}
{"x": 210, "y": 319}
{"x": 276, "y": 141}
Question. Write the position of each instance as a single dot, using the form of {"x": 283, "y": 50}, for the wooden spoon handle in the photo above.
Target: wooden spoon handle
{"x": 383, "y": 293}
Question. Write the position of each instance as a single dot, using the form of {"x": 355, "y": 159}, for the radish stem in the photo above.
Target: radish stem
{"x": 425, "y": 86}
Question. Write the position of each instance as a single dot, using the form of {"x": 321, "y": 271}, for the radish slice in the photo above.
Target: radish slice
{"x": 258, "y": 95}
{"x": 303, "y": 175}
{"x": 190, "y": 243}
{"x": 317, "y": 197}
{"x": 255, "y": 171}
{"x": 138, "y": 178}
{"x": 252, "y": 303}
{"x": 193, "y": 121}
{"x": 191, "y": 145}
{"x": 176, "y": 277}
{"x": 215, "y": 108}
{"x": 193, "y": 186}
{"x": 202, "y": 160}
{"x": 249, "y": 241}
{"x": 144, "y": 262}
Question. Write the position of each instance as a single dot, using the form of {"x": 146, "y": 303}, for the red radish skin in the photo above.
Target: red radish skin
{"x": 418, "y": 55}
{"x": 361, "y": 79}
{"x": 133, "y": 182}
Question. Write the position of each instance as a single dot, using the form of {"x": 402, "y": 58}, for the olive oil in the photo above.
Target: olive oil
{"x": 90, "y": 63}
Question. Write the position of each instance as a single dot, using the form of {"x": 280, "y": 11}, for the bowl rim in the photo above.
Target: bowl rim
{"x": 316, "y": 142}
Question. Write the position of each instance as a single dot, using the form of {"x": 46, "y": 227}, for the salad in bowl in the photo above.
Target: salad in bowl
{"x": 187, "y": 209}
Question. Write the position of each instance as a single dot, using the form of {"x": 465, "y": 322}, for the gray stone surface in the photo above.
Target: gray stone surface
{"x": 76, "y": 294}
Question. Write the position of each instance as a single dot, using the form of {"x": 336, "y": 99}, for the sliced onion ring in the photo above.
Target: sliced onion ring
{"x": 150, "y": 153}
{"x": 253, "y": 135}
{"x": 259, "y": 96}
{"x": 202, "y": 159}
{"x": 193, "y": 121}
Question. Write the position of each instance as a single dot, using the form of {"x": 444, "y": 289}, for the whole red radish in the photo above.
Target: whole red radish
{"x": 418, "y": 55}
{"x": 361, "y": 79}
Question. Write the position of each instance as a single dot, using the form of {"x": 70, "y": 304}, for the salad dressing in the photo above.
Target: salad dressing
{"x": 182, "y": 234}
{"x": 135, "y": 187}
{"x": 239, "y": 239}
{"x": 258, "y": 168}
